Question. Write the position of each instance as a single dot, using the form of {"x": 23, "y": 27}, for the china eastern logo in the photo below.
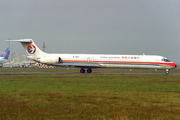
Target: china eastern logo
{"x": 31, "y": 49}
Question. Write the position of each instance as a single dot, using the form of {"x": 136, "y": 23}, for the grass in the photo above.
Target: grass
{"x": 88, "y": 96}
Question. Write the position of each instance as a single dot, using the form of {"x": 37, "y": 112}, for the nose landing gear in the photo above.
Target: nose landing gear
{"x": 167, "y": 71}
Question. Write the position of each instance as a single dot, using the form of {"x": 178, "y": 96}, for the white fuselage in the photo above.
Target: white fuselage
{"x": 2, "y": 60}
{"x": 105, "y": 60}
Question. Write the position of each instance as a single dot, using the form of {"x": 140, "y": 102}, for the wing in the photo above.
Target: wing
{"x": 81, "y": 65}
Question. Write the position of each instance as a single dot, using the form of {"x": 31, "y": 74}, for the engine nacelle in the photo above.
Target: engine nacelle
{"x": 51, "y": 60}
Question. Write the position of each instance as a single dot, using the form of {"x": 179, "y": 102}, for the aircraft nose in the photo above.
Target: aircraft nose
{"x": 175, "y": 65}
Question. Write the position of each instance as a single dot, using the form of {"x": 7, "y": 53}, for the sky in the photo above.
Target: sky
{"x": 131, "y": 27}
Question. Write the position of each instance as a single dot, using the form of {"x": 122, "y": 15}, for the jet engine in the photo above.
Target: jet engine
{"x": 51, "y": 60}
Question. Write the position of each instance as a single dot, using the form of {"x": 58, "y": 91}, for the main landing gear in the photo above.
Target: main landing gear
{"x": 83, "y": 71}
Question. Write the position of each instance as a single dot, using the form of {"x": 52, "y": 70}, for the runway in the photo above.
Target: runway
{"x": 55, "y": 73}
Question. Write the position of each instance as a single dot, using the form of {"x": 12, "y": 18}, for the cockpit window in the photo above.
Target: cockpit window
{"x": 166, "y": 60}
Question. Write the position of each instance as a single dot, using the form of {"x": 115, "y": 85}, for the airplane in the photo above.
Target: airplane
{"x": 90, "y": 61}
{"x": 4, "y": 56}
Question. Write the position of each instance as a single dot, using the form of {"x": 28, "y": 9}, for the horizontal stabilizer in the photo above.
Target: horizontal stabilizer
{"x": 22, "y": 40}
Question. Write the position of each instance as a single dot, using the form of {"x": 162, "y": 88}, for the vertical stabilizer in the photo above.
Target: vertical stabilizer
{"x": 33, "y": 52}
{"x": 5, "y": 53}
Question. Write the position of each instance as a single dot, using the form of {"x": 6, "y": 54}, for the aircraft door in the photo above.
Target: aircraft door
{"x": 88, "y": 59}
{"x": 92, "y": 59}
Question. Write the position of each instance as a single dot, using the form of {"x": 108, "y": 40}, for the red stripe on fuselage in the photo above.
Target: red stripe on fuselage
{"x": 171, "y": 64}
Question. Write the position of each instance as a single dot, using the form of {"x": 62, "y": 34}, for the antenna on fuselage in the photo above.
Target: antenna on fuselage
{"x": 44, "y": 46}
{"x": 10, "y": 52}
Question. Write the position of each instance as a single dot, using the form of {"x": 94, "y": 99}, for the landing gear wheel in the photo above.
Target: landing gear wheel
{"x": 167, "y": 71}
{"x": 82, "y": 71}
{"x": 89, "y": 70}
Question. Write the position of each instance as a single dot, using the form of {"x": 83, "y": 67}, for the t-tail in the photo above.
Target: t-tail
{"x": 33, "y": 52}
{"x": 5, "y": 53}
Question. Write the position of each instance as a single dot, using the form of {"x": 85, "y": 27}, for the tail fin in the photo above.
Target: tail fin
{"x": 5, "y": 53}
{"x": 33, "y": 52}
